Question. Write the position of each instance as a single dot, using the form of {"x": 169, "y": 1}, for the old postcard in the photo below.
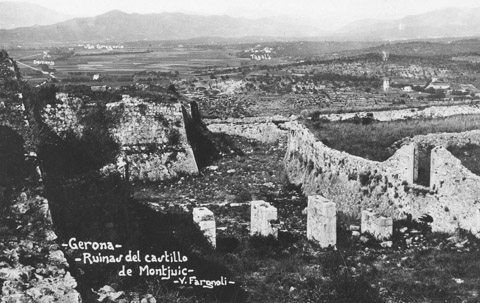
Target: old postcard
{"x": 253, "y": 151}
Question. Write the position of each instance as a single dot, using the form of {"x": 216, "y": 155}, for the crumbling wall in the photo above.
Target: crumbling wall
{"x": 443, "y": 139}
{"x": 12, "y": 114}
{"x": 409, "y": 113}
{"x": 355, "y": 183}
{"x": 152, "y": 136}
{"x": 63, "y": 116}
{"x": 263, "y": 132}
{"x": 263, "y": 129}
{"x": 457, "y": 188}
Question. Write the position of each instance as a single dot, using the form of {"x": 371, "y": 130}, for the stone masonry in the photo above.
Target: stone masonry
{"x": 378, "y": 226}
{"x": 410, "y": 113}
{"x": 388, "y": 188}
{"x": 205, "y": 220}
{"x": 152, "y": 136}
{"x": 321, "y": 221}
{"x": 261, "y": 216}
{"x": 264, "y": 129}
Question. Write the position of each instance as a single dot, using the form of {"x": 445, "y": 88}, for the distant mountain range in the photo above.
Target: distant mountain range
{"x": 450, "y": 22}
{"x": 121, "y": 27}
{"x": 22, "y": 14}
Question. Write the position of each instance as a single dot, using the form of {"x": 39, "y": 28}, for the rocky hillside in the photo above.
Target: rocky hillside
{"x": 66, "y": 167}
{"x": 30, "y": 259}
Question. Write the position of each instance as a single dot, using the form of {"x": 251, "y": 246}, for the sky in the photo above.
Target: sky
{"x": 332, "y": 13}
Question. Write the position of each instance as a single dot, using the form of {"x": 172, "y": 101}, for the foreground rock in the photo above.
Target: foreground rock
{"x": 32, "y": 266}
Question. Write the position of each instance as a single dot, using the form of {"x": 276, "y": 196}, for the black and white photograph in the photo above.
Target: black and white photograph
{"x": 239, "y": 151}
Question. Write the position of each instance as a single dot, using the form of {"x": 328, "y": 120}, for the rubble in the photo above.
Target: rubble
{"x": 25, "y": 281}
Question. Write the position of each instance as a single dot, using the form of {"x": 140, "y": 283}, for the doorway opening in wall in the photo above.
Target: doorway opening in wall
{"x": 424, "y": 163}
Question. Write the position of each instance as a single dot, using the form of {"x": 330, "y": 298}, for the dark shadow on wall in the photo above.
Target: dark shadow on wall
{"x": 199, "y": 137}
{"x": 13, "y": 169}
{"x": 424, "y": 163}
{"x": 94, "y": 206}
{"x": 206, "y": 145}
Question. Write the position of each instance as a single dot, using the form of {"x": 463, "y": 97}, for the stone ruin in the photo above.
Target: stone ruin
{"x": 378, "y": 226}
{"x": 152, "y": 136}
{"x": 264, "y": 129}
{"x": 261, "y": 216}
{"x": 388, "y": 188}
{"x": 321, "y": 221}
{"x": 205, "y": 220}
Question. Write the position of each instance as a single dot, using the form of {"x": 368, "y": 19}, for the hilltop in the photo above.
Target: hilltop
{"x": 22, "y": 14}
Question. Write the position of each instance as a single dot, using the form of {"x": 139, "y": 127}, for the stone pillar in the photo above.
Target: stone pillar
{"x": 415, "y": 163}
{"x": 411, "y": 172}
{"x": 383, "y": 228}
{"x": 204, "y": 219}
{"x": 321, "y": 221}
{"x": 367, "y": 221}
{"x": 378, "y": 226}
{"x": 261, "y": 213}
{"x": 434, "y": 183}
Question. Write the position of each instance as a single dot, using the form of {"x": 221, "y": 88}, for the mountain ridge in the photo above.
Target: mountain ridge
{"x": 24, "y": 14}
{"x": 447, "y": 22}
{"x": 120, "y": 26}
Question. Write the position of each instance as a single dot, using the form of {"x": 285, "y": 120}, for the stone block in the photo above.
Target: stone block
{"x": 378, "y": 226}
{"x": 321, "y": 221}
{"x": 367, "y": 219}
{"x": 261, "y": 214}
{"x": 205, "y": 220}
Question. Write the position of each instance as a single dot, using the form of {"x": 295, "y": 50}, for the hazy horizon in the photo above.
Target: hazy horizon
{"x": 327, "y": 14}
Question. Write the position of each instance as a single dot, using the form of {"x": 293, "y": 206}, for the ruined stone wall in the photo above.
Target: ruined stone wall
{"x": 443, "y": 139}
{"x": 457, "y": 189}
{"x": 152, "y": 137}
{"x": 263, "y": 132}
{"x": 65, "y": 116}
{"x": 263, "y": 129}
{"x": 12, "y": 115}
{"x": 355, "y": 183}
{"x": 410, "y": 113}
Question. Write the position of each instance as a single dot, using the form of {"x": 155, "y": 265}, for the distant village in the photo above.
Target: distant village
{"x": 101, "y": 46}
{"x": 258, "y": 53}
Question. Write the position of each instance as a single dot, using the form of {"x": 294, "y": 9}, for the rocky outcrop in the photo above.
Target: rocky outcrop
{"x": 388, "y": 187}
{"x": 32, "y": 266}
